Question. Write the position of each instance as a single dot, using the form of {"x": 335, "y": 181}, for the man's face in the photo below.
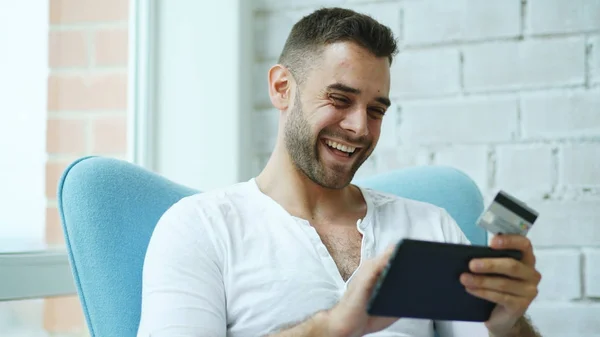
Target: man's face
{"x": 335, "y": 121}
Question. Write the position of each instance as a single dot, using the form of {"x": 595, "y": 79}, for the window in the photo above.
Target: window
{"x": 65, "y": 97}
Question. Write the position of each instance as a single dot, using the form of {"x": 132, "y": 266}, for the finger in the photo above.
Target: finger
{"x": 499, "y": 284}
{"x": 385, "y": 256}
{"x": 370, "y": 270}
{"x": 505, "y": 266}
{"x": 382, "y": 261}
{"x": 374, "y": 271}
{"x": 511, "y": 302}
{"x": 514, "y": 241}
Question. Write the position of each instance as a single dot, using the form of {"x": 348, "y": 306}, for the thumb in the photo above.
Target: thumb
{"x": 380, "y": 263}
{"x": 384, "y": 258}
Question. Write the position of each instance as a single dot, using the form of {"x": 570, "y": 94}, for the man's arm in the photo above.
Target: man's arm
{"x": 523, "y": 328}
{"x": 182, "y": 286}
{"x": 348, "y": 318}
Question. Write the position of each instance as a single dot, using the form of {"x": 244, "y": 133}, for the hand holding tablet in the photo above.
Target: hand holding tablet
{"x": 443, "y": 281}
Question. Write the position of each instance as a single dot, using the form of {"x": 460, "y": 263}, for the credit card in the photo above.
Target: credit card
{"x": 507, "y": 215}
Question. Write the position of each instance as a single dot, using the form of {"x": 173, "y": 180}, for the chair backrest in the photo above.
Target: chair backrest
{"x": 109, "y": 208}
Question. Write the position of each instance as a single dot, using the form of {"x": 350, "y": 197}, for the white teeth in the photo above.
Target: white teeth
{"x": 344, "y": 148}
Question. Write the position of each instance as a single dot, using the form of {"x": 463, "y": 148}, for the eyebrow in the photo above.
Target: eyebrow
{"x": 342, "y": 87}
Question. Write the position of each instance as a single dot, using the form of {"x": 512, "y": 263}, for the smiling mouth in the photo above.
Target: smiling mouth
{"x": 341, "y": 149}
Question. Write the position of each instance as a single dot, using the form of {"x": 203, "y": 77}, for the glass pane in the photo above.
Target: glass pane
{"x": 65, "y": 97}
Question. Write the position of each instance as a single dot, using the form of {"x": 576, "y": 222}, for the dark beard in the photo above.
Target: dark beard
{"x": 304, "y": 151}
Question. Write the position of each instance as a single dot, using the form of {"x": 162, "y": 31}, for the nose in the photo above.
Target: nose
{"x": 355, "y": 121}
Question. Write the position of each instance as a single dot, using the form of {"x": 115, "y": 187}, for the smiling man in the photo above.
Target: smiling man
{"x": 297, "y": 250}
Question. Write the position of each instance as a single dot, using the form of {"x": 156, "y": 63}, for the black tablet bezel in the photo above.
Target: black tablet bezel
{"x": 431, "y": 270}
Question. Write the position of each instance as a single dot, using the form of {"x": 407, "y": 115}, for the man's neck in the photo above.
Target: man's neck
{"x": 302, "y": 197}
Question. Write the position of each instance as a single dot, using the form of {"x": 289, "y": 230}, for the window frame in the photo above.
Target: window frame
{"x": 173, "y": 149}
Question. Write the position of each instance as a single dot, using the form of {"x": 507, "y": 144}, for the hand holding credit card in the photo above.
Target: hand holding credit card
{"x": 507, "y": 215}
{"x": 452, "y": 281}
{"x": 510, "y": 283}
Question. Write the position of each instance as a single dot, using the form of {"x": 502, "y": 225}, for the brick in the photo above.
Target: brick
{"x": 526, "y": 171}
{"x": 87, "y": 92}
{"x": 264, "y": 130}
{"x": 109, "y": 135}
{"x": 294, "y": 4}
{"x": 67, "y": 49}
{"x": 54, "y": 170}
{"x": 63, "y": 315}
{"x": 566, "y": 223}
{"x": 368, "y": 169}
{"x": 271, "y": 29}
{"x": 554, "y": 264}
{"x": 560, "y": 319}
{"x": 533, "y": 63}
{"x": 425, "y": 73}
{"x": 594, "y": 59}
{"x": 85, "y": 11}
{"x": 66, "y": 136}
{"x": 472, "y": 160}
{"x": 473, "y": 120}
{"x": 110, "y": 47}
{"x": 388, "y": 137}
{"x": 435, "y": 21}
{"x": 22, "y": 318}
{"x": 580, "y": 164}
{"x": 389, "y": 159}
{"x": 592, "y": 272}
{"x": 562, "y": 16}
{"x": 560, "y": 114}
{"x": 387, "y": 13}
{"x": 260, "y": 85}
{"x": 54, "y": 231}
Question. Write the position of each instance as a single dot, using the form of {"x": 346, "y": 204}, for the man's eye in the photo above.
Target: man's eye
{"x": 340, "y": 100}
{"x": 378, "y": 111}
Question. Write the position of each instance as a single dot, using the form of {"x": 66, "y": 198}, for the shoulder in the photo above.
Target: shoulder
{"x": 394, "y": 203}
{"x": 204, "y": 215}
{"x": 422, "y": 220}
{"x": 210, "y": 204}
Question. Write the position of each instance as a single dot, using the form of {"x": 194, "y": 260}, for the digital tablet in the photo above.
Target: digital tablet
{"x": 422, "y": 280}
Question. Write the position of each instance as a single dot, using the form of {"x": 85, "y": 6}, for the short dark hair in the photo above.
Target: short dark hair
{"x": 331, "y": 25}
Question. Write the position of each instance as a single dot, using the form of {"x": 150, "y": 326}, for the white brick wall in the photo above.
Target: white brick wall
{"x": 388, "y": 13}
{"x": 566, "y": 223}
{"x": 592, "y": 272}
{"x": 473, "y": 160}
{"x": 438, "y": 21}
{"x": 264, "y": 127}
{"x": 566, "y": 319}
{"x": 401, "y": 157}
{"x": 580, "y": 164}
{"x": 562, "y": 16}
{"x": 276, "y": 27}
{"x": 536, "y": 63}
{"x": 388, "y": 139}
{"x": 561, "y": 114}
{"x": 507, "y": 91}
{"x": 423, "y": 73}
{"x": 555, "y": 265}
{"x": 472, "y": 120}
{"x": 594, "y": 59}
{"x": 525, "y": 170}
{"x": 261, "y": 5}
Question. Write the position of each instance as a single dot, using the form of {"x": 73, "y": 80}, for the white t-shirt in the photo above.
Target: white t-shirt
{"x": 232, "y": 262}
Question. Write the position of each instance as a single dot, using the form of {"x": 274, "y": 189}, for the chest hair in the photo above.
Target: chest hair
{"x": 344, "y": 246}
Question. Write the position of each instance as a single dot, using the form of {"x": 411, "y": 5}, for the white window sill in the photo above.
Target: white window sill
{"x": 34, "y": 272}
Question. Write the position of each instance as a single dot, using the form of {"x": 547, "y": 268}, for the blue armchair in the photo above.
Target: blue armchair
{"x": 109, "y": 208}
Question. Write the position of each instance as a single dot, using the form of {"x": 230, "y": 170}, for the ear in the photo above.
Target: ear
{"x": 280, "y": 84}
